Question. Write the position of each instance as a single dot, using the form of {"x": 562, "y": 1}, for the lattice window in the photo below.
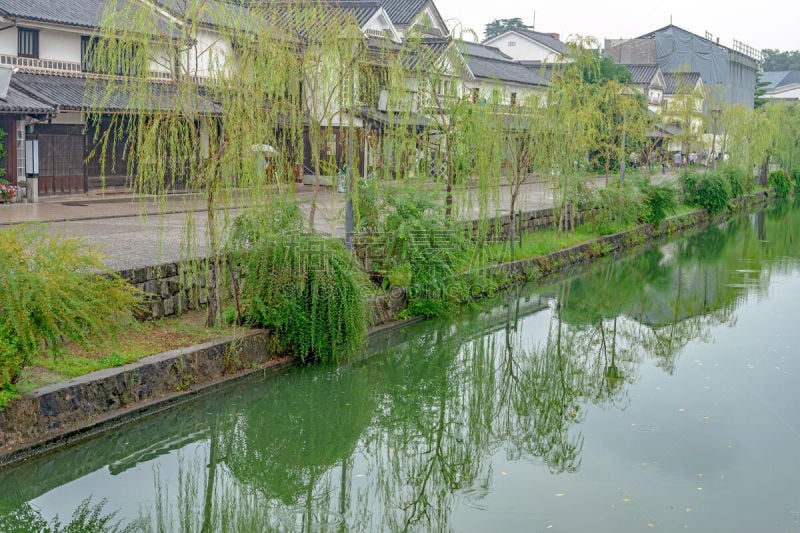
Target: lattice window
{"x": 28, "y": 42}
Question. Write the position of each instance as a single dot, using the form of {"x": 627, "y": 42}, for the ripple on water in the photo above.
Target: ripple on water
{"x": 472, "y": 497}
{"x": 314, "y": 519}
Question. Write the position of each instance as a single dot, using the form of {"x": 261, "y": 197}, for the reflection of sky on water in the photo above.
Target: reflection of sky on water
{"x": 129, "y": 491}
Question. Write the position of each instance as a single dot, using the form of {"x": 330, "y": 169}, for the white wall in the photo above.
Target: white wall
{"x": 522, "y": 49}
{"x": 60, "y": 45}
{"x": 8, "y": 41}
{"x": 208, "y": 55}
{"x": 487, "y": 88}
{"x": 53, "y": 44}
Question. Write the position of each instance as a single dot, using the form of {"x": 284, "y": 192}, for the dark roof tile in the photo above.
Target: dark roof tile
{"x": 76, "y": 93}
{"x": 84, "y": 13}
{"x": 18, "y": 102}
{"x": 403, "y": 12}
{"x": 643, "y": 74}
{"x": 674, "y": 79}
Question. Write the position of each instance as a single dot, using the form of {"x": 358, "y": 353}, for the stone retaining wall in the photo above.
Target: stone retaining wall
{"x": 56, "y": 412}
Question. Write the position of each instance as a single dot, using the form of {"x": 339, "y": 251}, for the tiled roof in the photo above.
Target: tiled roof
{"x": 642, "y": 74}
{"x": 481, "y": 50}
{"x": 76, "y": 93}
{"x": 403, "y": 12}
{"x": 84, "y": 13}
{"x": 780, "y": 78}
{"x": 305, "y": 18}
{"x": 673, "y": 80}
{"x": 504, "y": 70}
{"x": 361, "y": 10}
{"x": 18, "y": 102}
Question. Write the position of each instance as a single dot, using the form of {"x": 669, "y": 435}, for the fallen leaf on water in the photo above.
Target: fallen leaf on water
{"x": 347, "y": 405}
{"x": 651, "y": 525}
{"x": 626, "y": 500}
{"x": 681, "y": 410}
{"x": 688, "y": 509}
{"x": 559, "y": 494}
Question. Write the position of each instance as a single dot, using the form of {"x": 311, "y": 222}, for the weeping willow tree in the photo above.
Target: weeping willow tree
{"x": 525, "y": 150}
{"x": 571, "y": 116}
{"x": 620, "y": 123}
{"x": 214, "y": 106}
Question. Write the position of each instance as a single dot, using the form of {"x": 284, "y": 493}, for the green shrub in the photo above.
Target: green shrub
{"x": 616, "y": 208}
{"x": 54, "y": 289}
{"x": 408, "y": 243}
{"x": 796, "y": 177}
{"x": 709, "y": 190}
{"x": 309, "y": 291}
{"x": 779, "y": 180}
{"x": 659, "y": 201}
{"x": 741, "y": 182}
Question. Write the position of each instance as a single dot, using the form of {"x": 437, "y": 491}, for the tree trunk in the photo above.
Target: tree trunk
{"x": 512, "y": 230}
{"x": 211, "y": 285}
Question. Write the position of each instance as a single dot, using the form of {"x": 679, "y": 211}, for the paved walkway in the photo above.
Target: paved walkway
{"x": 134, "y": 232}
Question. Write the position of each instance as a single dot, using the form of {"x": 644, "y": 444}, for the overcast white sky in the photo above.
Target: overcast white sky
{"x": 773, "y": 24}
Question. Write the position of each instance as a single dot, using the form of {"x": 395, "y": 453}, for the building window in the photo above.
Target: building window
{"x": 513, "y": 98}
{"x": 476, "y": 92}
{"x": 87, "y": 54}
{"x": 28, "y": 44}
{"x": 512, "y": 44}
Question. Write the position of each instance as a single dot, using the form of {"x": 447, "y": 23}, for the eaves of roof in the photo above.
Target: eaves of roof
{"x": 19, "y": 102}
{"x": 76, "y": 93}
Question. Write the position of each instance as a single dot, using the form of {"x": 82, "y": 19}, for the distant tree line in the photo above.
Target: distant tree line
{"x": 777, "y": 60}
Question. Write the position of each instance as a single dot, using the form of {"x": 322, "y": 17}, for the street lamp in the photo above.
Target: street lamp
{"x": 715, "y": 112}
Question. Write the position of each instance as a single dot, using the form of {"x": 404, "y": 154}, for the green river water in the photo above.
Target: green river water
{"x": 655, "y": 391}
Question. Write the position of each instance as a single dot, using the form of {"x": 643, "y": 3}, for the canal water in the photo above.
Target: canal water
{"x": 657, "y": 391}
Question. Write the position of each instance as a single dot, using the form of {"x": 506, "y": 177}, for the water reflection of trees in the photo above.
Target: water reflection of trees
{"x": 400, "y": 440}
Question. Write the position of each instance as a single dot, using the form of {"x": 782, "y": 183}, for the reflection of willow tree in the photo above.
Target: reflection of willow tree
{"x": 664, "y": 298}
{"x": 434, "y": 422}
{"x": 286, "y": 449}
{"x": 544, "y": 387}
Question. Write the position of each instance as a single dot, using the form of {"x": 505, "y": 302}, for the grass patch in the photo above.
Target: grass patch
{"x": 533, "y": 245}
{"x": 139, "y": 341}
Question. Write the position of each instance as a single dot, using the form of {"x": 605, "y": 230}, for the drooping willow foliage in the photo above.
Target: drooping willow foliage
{"x": 306, "y": 289}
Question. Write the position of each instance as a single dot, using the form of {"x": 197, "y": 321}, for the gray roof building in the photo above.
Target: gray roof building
{"x": 674, "y": 49}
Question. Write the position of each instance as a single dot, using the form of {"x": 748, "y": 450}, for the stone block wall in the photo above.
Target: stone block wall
{"x": 165, "y": 293}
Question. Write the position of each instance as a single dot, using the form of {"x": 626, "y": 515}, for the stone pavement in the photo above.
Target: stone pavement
{"x": 134, "y": 232}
